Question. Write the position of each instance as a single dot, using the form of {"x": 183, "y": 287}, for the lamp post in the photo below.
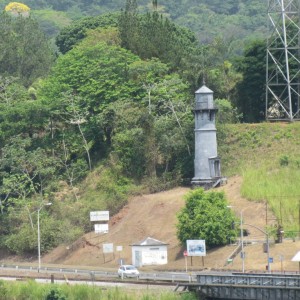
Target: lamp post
{"x": 242, "y": 242}
{"x": 267, "y": 242}
{"x": 242, "y": 239}
{"x": 39, "y": 232}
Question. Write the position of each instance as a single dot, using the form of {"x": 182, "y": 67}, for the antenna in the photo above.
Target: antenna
{"x": 283, "y": 61}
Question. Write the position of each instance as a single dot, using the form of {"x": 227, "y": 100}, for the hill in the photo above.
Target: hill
{"x": 233, "y": 21}
{"x": 154, "y": 215}
{"x": 270, "y": 150}
{"x": 266, "y": 155}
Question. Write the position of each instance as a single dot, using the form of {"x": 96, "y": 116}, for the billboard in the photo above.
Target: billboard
{"x": 101, "y": 228}
{"x": 108, "y": 248}
{"x": 196, "y": 247}
{"x": 99, "y": 215}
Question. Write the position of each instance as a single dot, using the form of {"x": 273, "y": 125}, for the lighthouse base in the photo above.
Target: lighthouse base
{"x": 208, "y": 184}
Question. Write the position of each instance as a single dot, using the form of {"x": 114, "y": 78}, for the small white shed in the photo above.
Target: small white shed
{"x": 297, "y": 258}
{"x": 149, "y": 252}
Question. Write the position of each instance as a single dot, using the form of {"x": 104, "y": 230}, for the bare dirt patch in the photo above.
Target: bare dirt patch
{"x": 155, "y": 216}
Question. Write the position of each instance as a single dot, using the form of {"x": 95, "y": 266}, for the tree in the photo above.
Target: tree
{"x": 206, "y": 217}
{"x": 18, "y": 112}
{"x": 251, "y": 89}
{"x": 31, "y": 166}
{"x": 28, "y": 175}
{"x": 152, "y": 35}
{"x": 71, "y": 35}
{"x": 99, "y": 76}
{"x": 152, "y": 137}
{"x": 147, "y": 74}
{"x": 97, "y": 73}
{"x": 77, "y": 115}
{"x": 17, "y": 8}
{"x": 227, "y": 114}
{"x": 24, "y": 50}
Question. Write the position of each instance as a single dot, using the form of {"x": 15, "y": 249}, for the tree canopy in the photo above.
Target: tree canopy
{"x": 251, "y": 89}
{"x": 116, "y": 100}
{"x": 71, "y": 35}
{"x": 206, "y": 217}
{"x": 24, "y": 50}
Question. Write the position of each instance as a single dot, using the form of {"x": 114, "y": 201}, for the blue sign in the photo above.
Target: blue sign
{"x": 270, "y": 259}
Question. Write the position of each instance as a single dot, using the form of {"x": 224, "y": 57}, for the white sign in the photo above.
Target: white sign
{"x": 99, "y": 215}
{"x": 101, "y": 228}
{"x": 108, "y": 248}
{"x": 196, "y": 247}
{"x": 119, "y": 248}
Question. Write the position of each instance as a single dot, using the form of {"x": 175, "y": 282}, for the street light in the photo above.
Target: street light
{"x": 267, "y": 242}
{"x": 242, "y": 239}
{"x": 39, "y": 232}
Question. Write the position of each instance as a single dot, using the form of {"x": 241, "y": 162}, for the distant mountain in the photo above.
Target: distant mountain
{"x": 235, "y": 21}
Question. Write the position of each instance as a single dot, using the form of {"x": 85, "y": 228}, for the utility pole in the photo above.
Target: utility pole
{"x": 39, "y": 233}
{"x": 283, "y": 48}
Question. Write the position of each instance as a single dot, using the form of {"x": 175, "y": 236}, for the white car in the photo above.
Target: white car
{"x": 128, "y": 271}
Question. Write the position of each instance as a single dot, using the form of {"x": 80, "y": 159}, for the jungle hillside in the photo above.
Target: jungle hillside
{"x": 95, "y": 108}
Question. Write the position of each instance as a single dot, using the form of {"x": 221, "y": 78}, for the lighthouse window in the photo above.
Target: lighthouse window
{"x": 211, "y": 116}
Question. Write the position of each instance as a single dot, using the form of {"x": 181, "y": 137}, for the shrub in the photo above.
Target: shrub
{"x": 284, "y": 160}
{"x": 55, "y": 294}
{"x": 206, "y": 217}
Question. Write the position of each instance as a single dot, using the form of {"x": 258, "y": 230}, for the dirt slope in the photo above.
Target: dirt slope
{"x": 155, "y": 216}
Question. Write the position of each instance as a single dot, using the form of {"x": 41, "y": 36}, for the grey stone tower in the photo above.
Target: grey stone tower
{"x": 207, "y": 162}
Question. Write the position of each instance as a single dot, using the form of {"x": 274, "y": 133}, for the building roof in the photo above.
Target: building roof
{"x": 296, "y": 257}
{"x": 149, "y": 242}
{"x": 204, "y": 90}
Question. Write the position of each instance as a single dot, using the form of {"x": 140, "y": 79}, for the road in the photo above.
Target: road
{"x": 96, "y": 277}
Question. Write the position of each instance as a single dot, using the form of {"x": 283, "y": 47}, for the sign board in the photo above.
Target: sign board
{"x": 101, "y": 228}
{"x": 99, "y": 215}
{"x": 119, "y": 248}
{"x": 108, "y": 248}
{"x": 196, "y": 247}
{"x": 271, "y": 260}
{"x": 281, "y": 257}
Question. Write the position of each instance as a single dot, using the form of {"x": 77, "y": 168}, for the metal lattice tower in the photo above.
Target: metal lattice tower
{"x": 283, "y": 61}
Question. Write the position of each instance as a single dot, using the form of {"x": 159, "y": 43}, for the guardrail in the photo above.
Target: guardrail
{"x": 97, "y": 274}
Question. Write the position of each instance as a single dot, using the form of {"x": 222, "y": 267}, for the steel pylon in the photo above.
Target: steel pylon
{"x": 283, "y": 61}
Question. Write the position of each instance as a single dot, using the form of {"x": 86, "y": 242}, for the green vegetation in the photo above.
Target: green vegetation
{"x": 234, "y": 21}
{"x": 267, "y": 156}
{"x": 34, "y": 291}
{"x": 206, "y": 217}
{"x": 110, "y": 115}
{"x": 102, "y": 110}
{"x": 19, "y": 58}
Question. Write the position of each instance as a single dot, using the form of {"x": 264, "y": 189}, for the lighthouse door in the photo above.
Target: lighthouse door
{"x": 215, "y": 170}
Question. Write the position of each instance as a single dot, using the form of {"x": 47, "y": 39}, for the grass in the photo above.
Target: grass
{"x": 30, "y": 290}
{"x": 267, "y": 155}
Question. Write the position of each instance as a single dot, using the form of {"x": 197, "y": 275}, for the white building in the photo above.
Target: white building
{"x": 149, "y": 252}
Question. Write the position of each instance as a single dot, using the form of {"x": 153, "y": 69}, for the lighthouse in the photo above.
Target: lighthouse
{"x": 207, "y": 164}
